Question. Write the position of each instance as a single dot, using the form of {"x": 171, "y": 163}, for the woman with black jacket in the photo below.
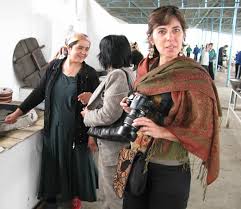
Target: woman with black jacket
{"x": 66, "y": 88}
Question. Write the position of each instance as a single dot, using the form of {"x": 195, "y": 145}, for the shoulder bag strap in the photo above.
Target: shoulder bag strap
{"x": 149, "y": 146}
{"x": 128, "y": 82}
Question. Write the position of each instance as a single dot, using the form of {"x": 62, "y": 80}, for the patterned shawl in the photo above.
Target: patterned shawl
{"x": 194, "y": 116}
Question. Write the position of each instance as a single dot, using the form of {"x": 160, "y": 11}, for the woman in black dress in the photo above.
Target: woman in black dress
{"x": 66, "y": 87}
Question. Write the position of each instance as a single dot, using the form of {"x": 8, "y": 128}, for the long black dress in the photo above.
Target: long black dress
{"x": 60, "y": 175}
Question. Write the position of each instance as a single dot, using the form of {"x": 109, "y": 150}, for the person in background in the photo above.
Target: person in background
{"x": 188, "y": 50}
{"x": 136, "y": 55}
{"x": 196, "y": 51}
{"x": 225, "y": 56}
{"x": 222, "y": 55}
{"x": 237, "y": 65}
{"x": 212, "y": 57}
{"x": 200, "y": 52}
{"x": 186, "y": 119}
{"x": 66, "y": 88}
{"x": 104, "y": 108}
{"x": 205, "y": 57}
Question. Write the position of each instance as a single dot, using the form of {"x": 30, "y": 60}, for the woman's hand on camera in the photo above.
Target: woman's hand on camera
{"x": 149, "y": 128}
{"x": 124, "y": 105}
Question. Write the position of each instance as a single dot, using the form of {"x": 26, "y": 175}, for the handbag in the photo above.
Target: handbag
{"x": 131, "y": 174}
{"x": 110, "y": 132}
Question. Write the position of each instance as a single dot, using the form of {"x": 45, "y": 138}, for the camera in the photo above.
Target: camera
{"x": 140, "y": 105}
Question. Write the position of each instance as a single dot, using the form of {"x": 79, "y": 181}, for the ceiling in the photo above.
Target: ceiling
{"x": 202, "y": 14}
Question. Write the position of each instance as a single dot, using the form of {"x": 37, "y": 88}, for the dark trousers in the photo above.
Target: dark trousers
{"x": 167, "y": 188}
{"x": 220, "y": 61}
{"x": 195, "y": 57}
{"x": 237, "y": 71}
{"x": 210, "y": 70}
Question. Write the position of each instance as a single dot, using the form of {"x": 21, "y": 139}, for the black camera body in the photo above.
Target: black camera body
{"x": 141, "y": 106}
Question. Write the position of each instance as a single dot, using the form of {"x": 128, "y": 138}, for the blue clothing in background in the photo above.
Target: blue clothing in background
{"x": 237, "y": 65}
{"x": 196, "y": 50}
{"x": 238, "y": 58}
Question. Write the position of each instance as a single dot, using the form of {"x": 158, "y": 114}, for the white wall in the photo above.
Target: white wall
{"x": 99, "y": 24}
{"x": 136, "y": 32}
{"x": 85, "y": 18}
{"x": 61, "y": 14}
{"x": 17, "y": 22}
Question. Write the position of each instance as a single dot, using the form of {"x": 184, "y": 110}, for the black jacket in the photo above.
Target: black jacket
{"x": 87, "y": 80}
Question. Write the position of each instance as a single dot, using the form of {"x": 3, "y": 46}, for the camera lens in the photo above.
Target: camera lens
{"x": 127, "y": 132}
{"x": 139, "y": 107}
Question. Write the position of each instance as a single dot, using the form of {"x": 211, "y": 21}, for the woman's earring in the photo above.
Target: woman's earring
{"x": 151, "y": 52}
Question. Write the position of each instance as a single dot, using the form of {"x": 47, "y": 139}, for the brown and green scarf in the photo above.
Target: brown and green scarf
{"x": 194, "y": 116}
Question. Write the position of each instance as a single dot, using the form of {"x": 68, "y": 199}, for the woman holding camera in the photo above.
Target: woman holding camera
{"x": 190, "y": 125}
{"x": 104, "y": 108}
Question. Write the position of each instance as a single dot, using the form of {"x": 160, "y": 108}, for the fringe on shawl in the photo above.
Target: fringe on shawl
{"x": 199, "y": 168}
